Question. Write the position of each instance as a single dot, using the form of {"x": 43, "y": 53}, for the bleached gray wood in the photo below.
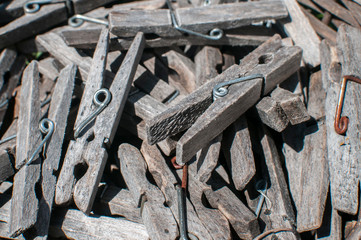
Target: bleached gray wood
{"x": 31, "y": 24}
{"x": 298, "y": 27}
{"x": 166, "y": 181}
{"x": 73, "y": 157}
{"x": 7, "y": 153}
{"x": 49, "y": 68}
{"x": 24, "y": 206}
{"x": 321, "y": 28}
{"x": 182, "y": 115}
{"x": 292, "y": 105}
{"x": 343, "y": 150}
{"x": 336, "y": 9}
{"x": 58, "y": 113}
{"x": 243, "y": 221}
{"x": 310, "y": 4}
{"x": 216, "y": 222}
{"x": 157, "y": 219}
{"x": 87, "y": 38}
{"x": 237, "y": 150}
{"x": 316, "y": 96}
{"x": 184, "y": 67}
{"x": 354, "y": 8}
{"x": 200, "y": 19}
{"x": 157, "y": 88}
{"x": 271, "y": 114}
{"x": 11, "y": 10}
{"x": 7, "y": 59}
{"x": 119, "y": 202}
{"x": 94, "y": 154}
{"x": 207, "y": 159}
{"x": 74, "y": 224}
{"x": 281, "y": 213}
{"x": 8, "y": 86}
{"x": 275, "y": 68}
{"x": 206, "y": 62}
{"x": 329, "y": 63}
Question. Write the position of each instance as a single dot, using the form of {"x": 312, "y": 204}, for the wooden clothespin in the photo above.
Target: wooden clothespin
{"x": 167, "y": 181}
{"x": 89, "y": 147}
{"x": 272, "y": 191}
{"x": 54, "y": 127}
{"x": 343, "y": 150}
{"x": 158, "y": 219}
{"x": 196, "y": 21}
{"x": 41, "y": 15}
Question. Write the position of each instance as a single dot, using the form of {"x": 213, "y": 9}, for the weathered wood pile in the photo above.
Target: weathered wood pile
{"x": 180, "y": 120}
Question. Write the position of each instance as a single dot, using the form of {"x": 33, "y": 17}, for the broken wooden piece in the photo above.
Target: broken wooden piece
{"x": 206, "y": 61}
{"x": 271, "y": 114}
{"x": 157, "y": 219}
{"x": 24, "y": 205}
{"x": 101, "y": 134}
{"x": 198, "y": 19}
{"x": 292, "y": 105}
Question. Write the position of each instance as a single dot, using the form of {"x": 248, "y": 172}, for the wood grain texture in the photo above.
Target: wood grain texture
{"x": 49, "y": 68}
{"x": 155, "y": 87}
{"x": 182, "y": 115}
{"x": 64, "y": 190}
{"x": 237, "y": 150}
{"x": 321, "y": 28}
{"x": 243, "y": 221}
{"x": 336, "y": 9}
{"x": 316, "y": 96}
{"x": 200, "y": 19}
{"x": 275, "y": 68}
{"x": 298, "y": 27}
{"x": 94, "y": 154}
{"x": 216, "y": 222}
{"x": 74, "y": 224}
{"x": 58, "y": 113}
{"x": 272, "y": 114}
{"x": 166, "y": 181}
{"x": 157, "y": 218}
{"x": 292, "y": 105}
{"x": 7, "y": 153}
{"x": 206, "y": 62}
{"x": 24, "y": 206}
{"x": 342, "y": 150}
{"x": 354, "y": 8}
{"x": 31, "y": 24}
{"x": 183, "y": 66}
{"x": 331, "y": 226}
{"x": 281, "y": 214}
{"x": 119, "y": 202}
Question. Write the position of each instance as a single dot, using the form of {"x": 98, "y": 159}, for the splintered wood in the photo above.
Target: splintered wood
{"x": 164, "y": 120}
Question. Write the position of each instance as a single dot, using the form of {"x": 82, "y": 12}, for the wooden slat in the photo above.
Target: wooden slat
{"x": 24, "y": 206}
{"x": 206, "y": 62}
{"x": 298, "y": 27}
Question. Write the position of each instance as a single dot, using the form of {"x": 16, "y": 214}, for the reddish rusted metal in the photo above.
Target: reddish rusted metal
{"x": 185, "y": 171}
{"x": 341, "y": 123}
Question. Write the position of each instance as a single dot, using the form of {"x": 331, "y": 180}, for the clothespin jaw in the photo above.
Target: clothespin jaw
{"x": 90, "y": 146}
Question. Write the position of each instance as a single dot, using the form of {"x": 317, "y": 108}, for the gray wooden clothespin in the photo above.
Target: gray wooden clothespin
{"x": 40, "y": 15}
{"x": 94, "y": 136}
{"x": 205, "y": 22}
{"x": 158, "y": 219}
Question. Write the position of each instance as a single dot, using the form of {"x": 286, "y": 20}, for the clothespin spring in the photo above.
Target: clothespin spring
{"x": 34, "y": 6}
{"x": 220, "y": 91}
{"x": 46, "y": 126}
{"x": 77, "y": 20}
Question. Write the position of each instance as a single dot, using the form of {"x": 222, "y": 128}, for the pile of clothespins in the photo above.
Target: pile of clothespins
{"x": 190, "y": 119}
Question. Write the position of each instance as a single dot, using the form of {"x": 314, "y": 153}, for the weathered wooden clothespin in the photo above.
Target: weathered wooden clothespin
{"x": 343, "y": 150}
{"x": 42, "y": 15}
{"x": 157, "y": 218}
{"x": 205, "y": 22}
{"x": 94, "y": 134}
{"x": 167, "y": 181}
